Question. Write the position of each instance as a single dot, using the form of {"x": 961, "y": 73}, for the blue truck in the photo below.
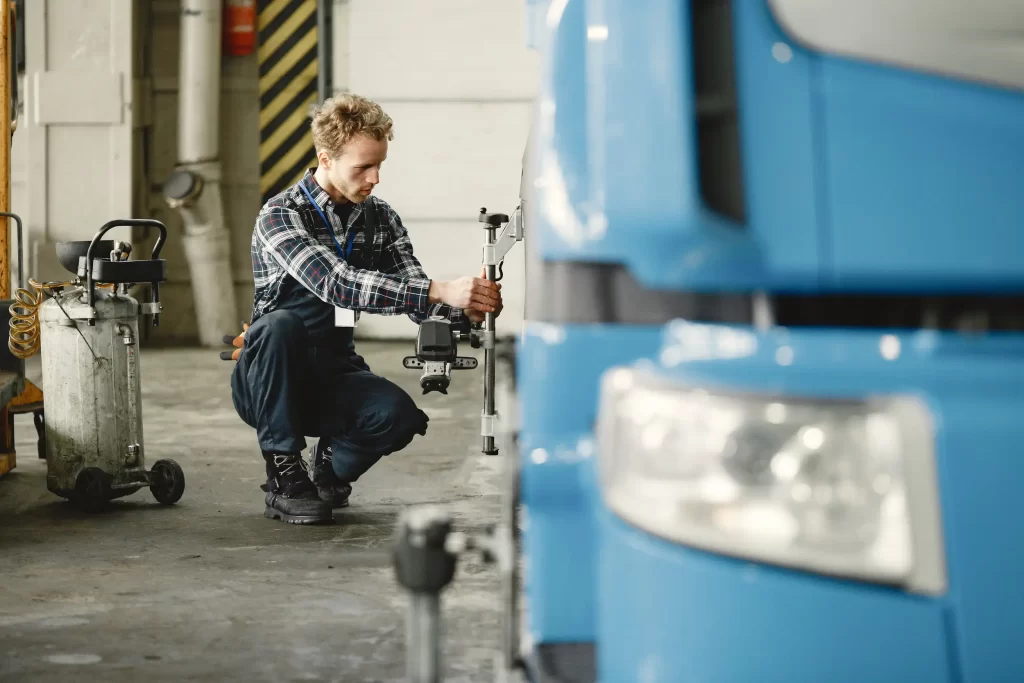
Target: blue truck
{"x": 771, "y": 381}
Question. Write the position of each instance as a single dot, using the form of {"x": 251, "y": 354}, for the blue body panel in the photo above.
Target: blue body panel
{"x": 857, "y": 176}
{"x": 559, "y": 369}
{"x": 684, "y": 615}
{"x": 923, "y": 180}
{"x": 562, "y": 174}
{"x": 559, "y": 365}
{"x": 973, "y": 389}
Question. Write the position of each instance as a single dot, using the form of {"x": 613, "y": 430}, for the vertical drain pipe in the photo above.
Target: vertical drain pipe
{"x": 324, "y": 34}
{"x": 193, "y": 189}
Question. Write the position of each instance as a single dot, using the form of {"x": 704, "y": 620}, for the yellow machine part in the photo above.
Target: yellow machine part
{"x": 31, "y": 393}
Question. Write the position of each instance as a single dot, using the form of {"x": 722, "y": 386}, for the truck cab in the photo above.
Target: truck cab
{"x": 773, "y": 359}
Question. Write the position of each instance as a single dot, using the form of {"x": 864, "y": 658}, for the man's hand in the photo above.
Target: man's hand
{"x": 475, "y": 315}
{"x": 237, "y": 342}
{"x": 467, "y": 293}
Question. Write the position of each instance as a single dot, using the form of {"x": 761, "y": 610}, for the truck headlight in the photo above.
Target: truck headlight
{"x": 845, "y": 488}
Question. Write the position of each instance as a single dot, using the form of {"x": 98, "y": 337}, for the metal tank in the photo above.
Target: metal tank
{"x": 89, "y": 342}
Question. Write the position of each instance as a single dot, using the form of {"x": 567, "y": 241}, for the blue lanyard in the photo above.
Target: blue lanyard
{"x": 351, "y": 233}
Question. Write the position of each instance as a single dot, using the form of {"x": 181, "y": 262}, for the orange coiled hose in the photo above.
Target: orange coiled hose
{"x": 23, "y": 340}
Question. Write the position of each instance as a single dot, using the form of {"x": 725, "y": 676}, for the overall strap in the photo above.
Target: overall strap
{"x": 344, "y": 255}
{"x": 370, "y": 227}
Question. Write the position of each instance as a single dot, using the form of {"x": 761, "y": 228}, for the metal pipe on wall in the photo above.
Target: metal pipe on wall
{"x": 194, "y": 188}
{"x": 199, "y": 81}
{"x": 323, "y": 50}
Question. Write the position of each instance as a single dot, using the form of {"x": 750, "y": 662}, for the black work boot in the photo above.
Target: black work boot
{"x": 332, "y": 490}
{"x": 291, "y": 496}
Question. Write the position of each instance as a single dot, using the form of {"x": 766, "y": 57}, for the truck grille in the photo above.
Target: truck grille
{"x": 962, "y": 313}
{"x": 718, "y": 132}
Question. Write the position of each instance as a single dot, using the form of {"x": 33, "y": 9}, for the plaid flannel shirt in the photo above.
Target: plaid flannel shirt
{"x": 291, "y": 239}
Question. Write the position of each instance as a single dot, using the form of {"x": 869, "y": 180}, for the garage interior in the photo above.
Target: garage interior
{"x": 208, "y": 589}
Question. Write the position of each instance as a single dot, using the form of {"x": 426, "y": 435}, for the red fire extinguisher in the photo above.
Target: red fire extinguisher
{"x": 239, "y": 27}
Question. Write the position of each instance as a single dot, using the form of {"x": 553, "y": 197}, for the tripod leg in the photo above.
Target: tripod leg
{"x": 424, "y": 567}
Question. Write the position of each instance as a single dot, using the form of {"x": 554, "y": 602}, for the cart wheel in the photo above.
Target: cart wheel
{"x": 92, "y": 489}
{"x": 38, "y": 420}
{"x": 167, "y": 482}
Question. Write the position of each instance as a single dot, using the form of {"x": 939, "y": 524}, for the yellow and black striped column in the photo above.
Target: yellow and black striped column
{"x": 288, "y": 86}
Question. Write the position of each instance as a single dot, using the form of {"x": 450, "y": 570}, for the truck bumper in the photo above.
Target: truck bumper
{"x": 670, "y": 613}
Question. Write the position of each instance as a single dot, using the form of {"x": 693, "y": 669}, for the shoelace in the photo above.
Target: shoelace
{"x": 321, "y": 457}
{"x": 287, "y": 464}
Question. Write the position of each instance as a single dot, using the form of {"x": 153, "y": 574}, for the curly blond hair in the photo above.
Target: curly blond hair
{"x": 342, "y": 117}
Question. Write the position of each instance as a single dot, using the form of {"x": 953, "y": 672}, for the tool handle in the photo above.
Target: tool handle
{"x": 125, "y": 222}
{"x": 21, "y": 246}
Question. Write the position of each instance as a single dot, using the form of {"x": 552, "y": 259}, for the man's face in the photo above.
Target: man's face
{"x": 357, "y": 171}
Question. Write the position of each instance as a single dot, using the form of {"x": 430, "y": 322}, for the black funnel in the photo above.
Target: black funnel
{"x": 68, "y": 253}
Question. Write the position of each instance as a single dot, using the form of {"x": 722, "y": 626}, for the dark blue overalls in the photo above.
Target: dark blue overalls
{"x": 298, "y": 375}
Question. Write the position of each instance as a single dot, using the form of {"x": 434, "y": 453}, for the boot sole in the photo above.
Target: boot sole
{"x": 271, "y": 513}
{"x": 335, "y": 503}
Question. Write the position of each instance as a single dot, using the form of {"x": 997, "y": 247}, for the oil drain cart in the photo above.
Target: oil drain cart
{"x": 87, "y": 332}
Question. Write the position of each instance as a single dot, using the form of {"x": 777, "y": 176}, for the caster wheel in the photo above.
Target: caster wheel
{"x": 167, "y": 482}
{"x": 92, "y": 489}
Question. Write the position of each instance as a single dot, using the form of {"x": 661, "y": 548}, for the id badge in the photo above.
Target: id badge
{"x": 345, "y": 317}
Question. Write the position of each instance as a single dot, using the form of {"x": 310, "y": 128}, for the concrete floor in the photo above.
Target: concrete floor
{"x": 210, "y": 590}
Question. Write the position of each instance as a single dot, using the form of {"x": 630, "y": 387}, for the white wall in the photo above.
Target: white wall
{"x": 456, "y": 76}
{"x": 74, "y": 153}
{"x": 458, "y": 79}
